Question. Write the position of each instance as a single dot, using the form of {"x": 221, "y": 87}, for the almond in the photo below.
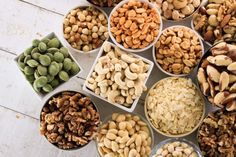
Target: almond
{"x": 224, "y": 81}
{"x": 225, "y": 20}
{"x": 222, "y": 60}
{"x": 232, "y": 66}
{"x": 213, "y": 73}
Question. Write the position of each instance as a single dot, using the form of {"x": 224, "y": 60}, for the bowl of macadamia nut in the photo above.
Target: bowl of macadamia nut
{"x": 216, "y": 21}
{"x": 85, "y": 29}
{"x": 216, "y": 75}
{"x": 176, "y": 10}
{"x": 178, "y": 51}
{"x": 176, "y": 147}
{"x": 134, "y": 25}
{"x": 69, "y": 120}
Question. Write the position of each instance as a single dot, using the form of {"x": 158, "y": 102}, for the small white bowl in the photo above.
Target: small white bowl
{"x": 100, "y": 53}
{"x": 121, "y": 46}
{"x": 154, "y": 52}
{"x": 62, "y": 30}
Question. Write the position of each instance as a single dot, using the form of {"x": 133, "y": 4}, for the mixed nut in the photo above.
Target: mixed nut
{"x": 69, "y": 120}
{"x": 125, "y": 135}
{"x": 118, "y": 76}
{"x": 105, "y": 3}
{"x": 216, "y": 20}
{"x": 217, "y": 134}
{"x": 177, "y": 9}
{"x": 174, "y": 106}
{"x": 85, "y": 28}
{"x": 178, "y": 50}
{"x": 217, "y": 76}
{"x": 46, "y": 64}
{"x": 135, "y": 25}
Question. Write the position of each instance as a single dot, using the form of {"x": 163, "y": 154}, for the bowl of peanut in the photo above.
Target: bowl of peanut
{"x": 134, "y": 25}
{"x": 178, "y": 51}
{"x": 85, "y": 29}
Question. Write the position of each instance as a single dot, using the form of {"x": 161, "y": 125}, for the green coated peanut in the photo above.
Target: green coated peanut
{"x": 36, "y": 74}
{"x": 35, "y": 42}
{"x": 67, "y": 64}
{"x": 35, "y": 50}
{"x": 59, "y": 57}
{"x": 37, "y": 89}
{"x": 43, "y": 71}
{"x": 41, "y": 81}
{"x": 54, "y": 43}
{"x": 28, "y": 51}
{"x": 64, "y": 51}
{"x": 28, "y": 70}
{"x": 32, "y": 63}
{"x": 28, "y": 57}
{"x": 44, "y": 60}
{"x": 74, "y": 68}
{"x": 42, "y": 47}
{"x": 45, "y": 40}
{"x": 36, "y": 56}
{"x": 53, "y": 50}
{"x": 54, "y": 83}
{"x": 21, "y": 65}
{"x": 21, "y": 58}
{"x": 30, "y": 78}
{"x": 47, "y": 88}
{"x": 50, "y": 55}
{"x": 50, "y": 78}
{"x": 53, "y": 68}
{"x": 63, "y": 76}
{"x": 60, "y": 66}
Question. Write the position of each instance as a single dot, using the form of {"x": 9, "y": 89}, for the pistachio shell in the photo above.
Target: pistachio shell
{"x": 36, "y": 56}
{"x": 28, "y": 51}
{"x": 47, "y": 88}
{"x": 63, "y": 76}
{"x": 74, "y": 68}
{"x": 59, "y": 57}
{"x": 37, "y": 89}
{"x": 67, "y": 64}
{"x": 42, "y": 70}
{"x": 64, "y": 51}
{"x": 44, "y": 60}
{"x": 45, "y": 40}
{"x": 32, "y": 63}
{"x": 30, "y": 78}
{"x": 54, "y": 43}
{"x": 21, "y": 65}
{"x": 50, "y": 78}
{"x": 28, "y": 70}
{"x": 54, "y": 83}
{"x": 36, "y": 74}
{"x": 35, "y": 42}
{"x": 41, "y": 81}
{"x": 53, "y": 68}
{"x": 53, "y": 50}
{"x": 42, "y": 47}
{"x": 28, "y": 57}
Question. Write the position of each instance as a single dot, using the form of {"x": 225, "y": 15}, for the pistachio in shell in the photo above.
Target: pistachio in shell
{"x": 50, "y": 78}
{"x": 64, "y": 51}
{"x": 42, "y": 70}
{"x": 67, "y": 64}
{"x": 35, "y": 42}
{"x": 21, "y": 65}
{"x": 53, "y": 68}
{"x": 32, "y": 63}
{"x": 28, "y": 51}
{"x": 36, "y": 74}
{"x": 28, "y": 70}
{"x": 35, "y": 56}
{"x": 44, "y": 60}
{"x": 28, "y": 57}
{"x": 42, "y": 47}
{"x": 63, "y": 76}
{"x": 54, "y": 43}
{"x": 59, "y": 57}
{"x": 30, "y": 78}
{"x": 41, "y": 81}
{"x": 47, "y": 88}
{"x": 74, "y": 68}
{"x": 53, "y": 50}
{"x": 54, "y": 83}
{"x": 45, "y": 40}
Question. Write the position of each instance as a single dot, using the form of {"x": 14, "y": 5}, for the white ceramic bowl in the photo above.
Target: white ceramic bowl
{"x": 68, "y": 44}
{"x": 121, "y": 46}
{"x": 128, "y": 109}
{"x": 40, "y": 95}
{"x": 154, "y": 52}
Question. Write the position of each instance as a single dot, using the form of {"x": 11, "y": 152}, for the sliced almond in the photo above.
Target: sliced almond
{"x": 219, "y": 98}
{"x": 232, "y": 66}
{"x": 213, "y": 73}
{"x": 233, "y": 88}
{"x": 201, "y": 76}
{"x": 232, "y": 78}
{"x": 222, "y": 60}
{"x": 229, "y": 98}
{"x": 224, "y": 81}
{"x": 231, "y": 106}
{"x": 212, "y": 89}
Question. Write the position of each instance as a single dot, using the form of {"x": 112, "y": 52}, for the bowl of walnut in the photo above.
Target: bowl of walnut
{"x": 174, "y": 107}
{"x": 134, "y": 25}
{"x": 69, "y": 120}
{"x": 178, "y": 51}
{"x": 85, "y": 29}
{"x": 217, "y": 75}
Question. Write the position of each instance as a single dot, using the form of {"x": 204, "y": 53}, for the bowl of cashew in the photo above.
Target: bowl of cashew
{"x": 118, "y": 77}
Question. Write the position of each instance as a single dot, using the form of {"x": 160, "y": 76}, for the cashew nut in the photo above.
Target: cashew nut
{"x": 117, "y": 78}
{"x": 129, "y": 99}
{"x": 91, "y": 86}
{"x": 129, "y": 83}
{"x": 118, "y": 67}
{"x": 128, "y": 59}
{"x": 112, "y": 95}
{"x": 104, "y": 59}
{"x": 134, "y": 68}
{"x": 119, "y": 99}
{"x": 99, "y": 78}
{"x": 107, "y": 47}
{"x": 118, "y": 51}
{"x": 111, "y": 54}
{"x": 130, "y": 75}
{"x": 100, "y": 70}
{"x": 103, "y": 83}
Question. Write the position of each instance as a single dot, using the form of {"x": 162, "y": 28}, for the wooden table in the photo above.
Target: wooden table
{"x": 20, "y": 22}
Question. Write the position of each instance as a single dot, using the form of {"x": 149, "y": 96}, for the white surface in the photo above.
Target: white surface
{"x": 22, "y": 21}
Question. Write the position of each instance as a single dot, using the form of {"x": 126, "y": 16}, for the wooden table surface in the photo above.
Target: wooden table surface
{"x": 20, "y": 22}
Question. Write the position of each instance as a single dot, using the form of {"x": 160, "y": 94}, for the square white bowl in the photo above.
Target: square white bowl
{"x": 40, "y": 95}
{"x": 100, "y": 53}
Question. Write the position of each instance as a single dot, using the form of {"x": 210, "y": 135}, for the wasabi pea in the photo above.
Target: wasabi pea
{"x": 32, "y": 63}
{"x": 64, "y": 51}
{"x": 36, "y": 56}
{"x": 74, "y": 68}
{"x": 67, "y": 64}
{"x": 36, "y": 74}
{"x": 53, "y": 69}
{"x": 54, "y": 83}
{"x": 52, "y": 50}
{"x": 43, "y": 71}
{"x": 50, "y": 78}
{"x": 44, "y": 60}
{"x": 59, "y": 57}
{"x": 50, "y": 55}
{"x": 42, "y": 47}
{"x": 30, "y": 78}
{"x": 28, "y": 70}
{"x": 54, "y": 43}
{"x": 28, "y": 51}
{"x": 21, "y": 65}
{"x": 45, "y": 40}
{"x": 28, "y": 57}
{"x": 41, "y": 81}
{"x": 47, "y": 88}
{"x": 35, "y": 42}
{"x": 63, "y": 76}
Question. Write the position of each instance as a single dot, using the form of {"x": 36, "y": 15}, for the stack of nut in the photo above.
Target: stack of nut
{"x": 217, "y": 76}
{"x": 118, "y": 76}
{"x": 216, "y": 20}
{"x": 217, "y": 134}
{"x": 135, "y": 25}
{"x": 177, "y": 9}
{"x": 69, "y": 120}
{"x": 178, "y": 50}
{"x": 85, "y": 28}
{"x": 124, "y": 135}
